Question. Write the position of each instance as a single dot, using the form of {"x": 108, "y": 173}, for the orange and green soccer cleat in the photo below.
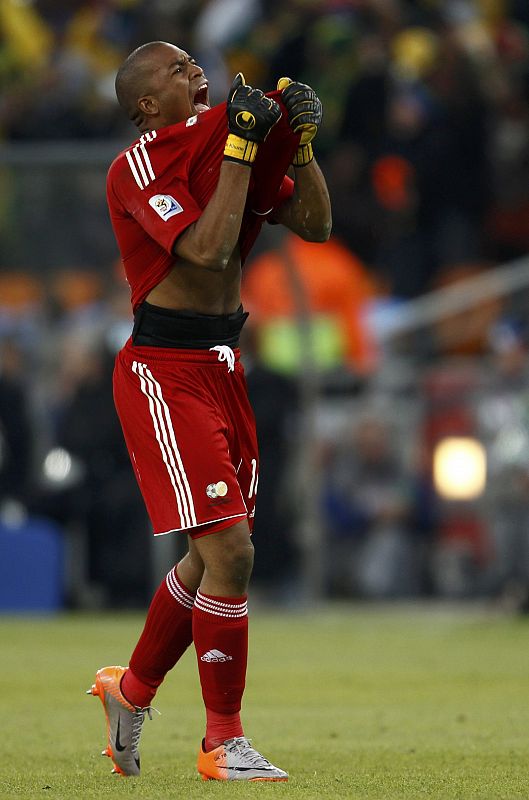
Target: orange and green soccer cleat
{"x": 124, "y": 721}
{"x": 236, "y": 760}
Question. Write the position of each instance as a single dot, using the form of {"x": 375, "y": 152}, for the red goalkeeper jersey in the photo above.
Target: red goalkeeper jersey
{"x": 160, "y": 185}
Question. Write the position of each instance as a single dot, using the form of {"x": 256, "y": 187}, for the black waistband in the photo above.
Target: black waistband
{"x": 163, "y": 327}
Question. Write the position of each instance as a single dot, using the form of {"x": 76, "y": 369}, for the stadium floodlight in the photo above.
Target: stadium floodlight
{"x": 57, "y": 465}
{"x": 459, "y": 468}
{"x": 61, "y": 470}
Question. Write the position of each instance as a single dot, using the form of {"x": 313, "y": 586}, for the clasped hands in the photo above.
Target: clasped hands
{"x": 252, "y": 115}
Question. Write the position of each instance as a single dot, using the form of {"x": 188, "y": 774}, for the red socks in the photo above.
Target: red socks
{"x": 219, "y": 628}
{"x": 166, "y": 636}
{"x": 220, "y": 727}
{"x": 220, "y": 634}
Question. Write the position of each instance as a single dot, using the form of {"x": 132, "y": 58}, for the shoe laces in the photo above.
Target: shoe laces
{"x": 243, "y": 747}
{"x": 137, "y": 722}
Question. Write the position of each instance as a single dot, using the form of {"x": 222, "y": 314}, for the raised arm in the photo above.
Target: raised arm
{"x": 308, "y": 211}
{"x": 210, "y": 241}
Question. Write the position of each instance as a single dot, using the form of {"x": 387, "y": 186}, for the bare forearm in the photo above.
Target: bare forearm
{"x": 308, "y": 211}
{"x": 210, "y": 241}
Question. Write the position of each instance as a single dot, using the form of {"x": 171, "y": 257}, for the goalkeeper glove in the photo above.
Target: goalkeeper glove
{"x": 304, "y": 115}
{"x": 251, "y": 116}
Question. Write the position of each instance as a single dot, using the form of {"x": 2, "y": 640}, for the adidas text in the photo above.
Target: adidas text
{"x": 215, "y": 655}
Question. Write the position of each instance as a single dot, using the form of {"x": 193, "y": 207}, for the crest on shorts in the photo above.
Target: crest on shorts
{"x": 165, "y": 206}
{"x": 219, "y": 489}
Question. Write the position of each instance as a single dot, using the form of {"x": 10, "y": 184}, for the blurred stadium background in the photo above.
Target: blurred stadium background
{"x": 388, "y": 368}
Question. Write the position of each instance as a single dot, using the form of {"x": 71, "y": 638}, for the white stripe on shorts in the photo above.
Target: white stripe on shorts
{"x": 165, "y": 436}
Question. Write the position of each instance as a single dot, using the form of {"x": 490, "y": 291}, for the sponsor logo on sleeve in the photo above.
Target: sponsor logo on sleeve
{"x": 165, "y": 206}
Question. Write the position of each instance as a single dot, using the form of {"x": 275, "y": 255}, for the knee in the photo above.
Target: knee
{"x": 238, "y": 564}
{"x": 228, "y": 560}
{"x": 232, "y": 569}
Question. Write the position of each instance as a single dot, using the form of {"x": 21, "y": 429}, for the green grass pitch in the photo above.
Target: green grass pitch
{"x": 355, "y": 702}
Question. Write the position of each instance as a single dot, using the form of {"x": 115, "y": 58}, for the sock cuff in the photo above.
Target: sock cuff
{"x": 138, "y": 692}
{"x": 178, "y": 590}
{"x": 227, "y": 607}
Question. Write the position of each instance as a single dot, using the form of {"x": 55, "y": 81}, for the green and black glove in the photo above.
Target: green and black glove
{"x": 304, "y": 115}
{"x": 251, "y": 116}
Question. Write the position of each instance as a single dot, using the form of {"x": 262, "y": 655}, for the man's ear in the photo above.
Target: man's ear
{"x": 148, "y": 105}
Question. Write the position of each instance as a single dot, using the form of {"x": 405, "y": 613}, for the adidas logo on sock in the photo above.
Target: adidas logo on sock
{"x": 215, "y": 655}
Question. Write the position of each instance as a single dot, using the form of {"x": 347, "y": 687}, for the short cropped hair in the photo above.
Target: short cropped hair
{"x": 133, "y": 79}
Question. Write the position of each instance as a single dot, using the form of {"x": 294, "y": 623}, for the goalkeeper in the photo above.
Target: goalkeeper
{"x": 187, "y": 201}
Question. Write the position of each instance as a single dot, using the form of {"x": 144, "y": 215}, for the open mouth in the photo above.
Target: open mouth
{"x": 200, "y": 99}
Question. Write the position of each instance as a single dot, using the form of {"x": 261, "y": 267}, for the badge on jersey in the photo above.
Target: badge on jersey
{"x": 165, "y": 206}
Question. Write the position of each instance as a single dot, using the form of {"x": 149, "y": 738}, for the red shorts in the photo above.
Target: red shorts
{"x": 190, "y": 433}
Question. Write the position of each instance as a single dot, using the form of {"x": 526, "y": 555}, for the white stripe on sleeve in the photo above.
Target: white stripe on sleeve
{"x": 134, "y": 170}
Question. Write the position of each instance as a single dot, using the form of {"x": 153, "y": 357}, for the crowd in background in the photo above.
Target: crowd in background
{"x": 425, "y": 147}
{"x": 426, "y": 131}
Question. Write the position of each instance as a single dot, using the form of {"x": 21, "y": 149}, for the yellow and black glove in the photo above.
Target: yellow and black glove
{"x": 304, "y": 115}
{"x": 251, "y": 116}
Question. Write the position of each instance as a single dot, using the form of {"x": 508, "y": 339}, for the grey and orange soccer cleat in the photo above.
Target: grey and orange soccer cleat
{"x": 124, "y": 721}
{"x": 236, "y": 760}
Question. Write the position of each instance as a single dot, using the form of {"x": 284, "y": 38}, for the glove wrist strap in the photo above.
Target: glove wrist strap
{"x": 240, "y": 150}
{"x": 304, "y": 155}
